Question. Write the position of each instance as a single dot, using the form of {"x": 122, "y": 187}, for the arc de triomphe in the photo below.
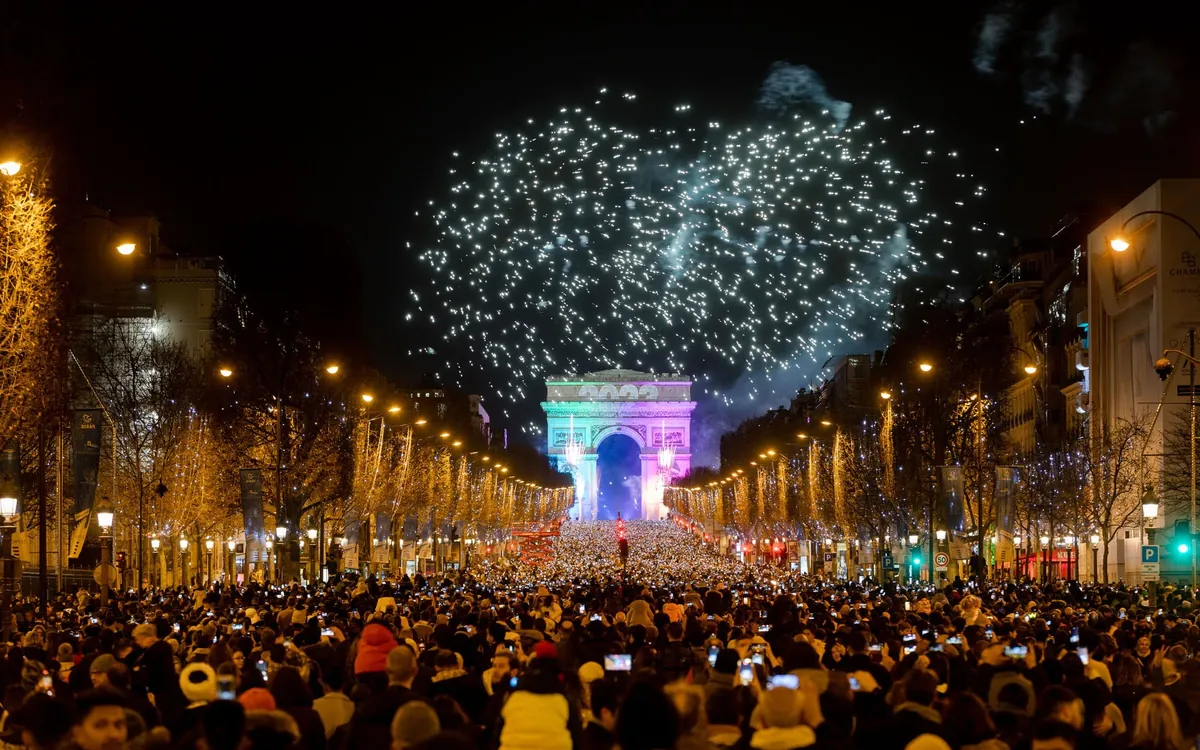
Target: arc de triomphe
{"x": 653, "y": 410}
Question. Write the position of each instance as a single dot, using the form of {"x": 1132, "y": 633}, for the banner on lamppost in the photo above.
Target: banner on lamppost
{"x": 85, "y": 437}
{"x": 252, "y": 506}
{"x": 1006, "y": 498}
{"x": 952, "y": 497}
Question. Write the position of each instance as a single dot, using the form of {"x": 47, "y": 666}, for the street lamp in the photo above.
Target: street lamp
{"x": 1149, "y": 503}
{"x": 1095, "y": 540}
{"x": 912, "y": 540}
{"x": 313, "y": 550}
{"x": 9, "y": 168}
{"x": 281, "y": 532}
{"x": 183, "y": 547}
{"x": 925, "y": 367}
{"x": 104, "y": 519}
{"x": 209, "y": 545}
{"x": 1031, "y": 369}
{"x": 885, "y": 395}
{"x": 126, "y": 248}
{"x": 226, "y": 372}
{"x": 232, "y": 545}
{"x": 940, "y": 534}
{"x": 155, "y": 543}
{"x": 332, "y": 369}
{"x": 367, "y": 398}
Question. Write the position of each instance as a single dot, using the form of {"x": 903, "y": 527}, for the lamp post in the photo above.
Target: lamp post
{"x": 1045, "y": 540}
{"x": 280, "y": 548}
{"x": 313, "y": 551}
{"x": 1017, "y": 553}
{"x": 1095, "y": 540}
{"x": 1149, "y": 513}
{"x": 155, "y": 543}
{"x": 232, "y": 545}
{"x": 208, "y": 546}
{"x": 104, "y": 519}
{"x": 183, "y": 546}
{"x": 9, "y": 509}
{"x": 270, "y": 561}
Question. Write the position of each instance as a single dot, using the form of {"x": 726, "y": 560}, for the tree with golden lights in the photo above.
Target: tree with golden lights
{"x": 27, "y": 294}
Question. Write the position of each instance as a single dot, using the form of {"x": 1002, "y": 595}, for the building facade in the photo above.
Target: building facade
{"x": 1143, "y": 300}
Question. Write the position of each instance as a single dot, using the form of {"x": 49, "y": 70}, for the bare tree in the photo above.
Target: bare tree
{"x": 147, "y": 385}
{"x": 27, "y": 295}
{"x": 1112, "y": 466}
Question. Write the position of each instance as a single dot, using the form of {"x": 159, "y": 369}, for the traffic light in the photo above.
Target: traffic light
{"x": 623, "y": 546}
{"x": 916, "y": 559}
{"x": 120, "y": 561}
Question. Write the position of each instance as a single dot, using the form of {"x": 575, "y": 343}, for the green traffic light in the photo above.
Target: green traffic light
{"x": 1183, "y": 548}
{"x": 916, "y": 561}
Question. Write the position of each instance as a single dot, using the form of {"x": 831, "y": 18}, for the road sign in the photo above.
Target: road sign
{"x": 941, "y": 561}
{"x": 830, "y": 556}
{"x": 1150, "y": 562}
{"x": 101, "y": 569}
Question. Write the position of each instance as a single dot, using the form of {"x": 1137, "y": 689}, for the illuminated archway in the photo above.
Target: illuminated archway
{"x": 653, "y": 410}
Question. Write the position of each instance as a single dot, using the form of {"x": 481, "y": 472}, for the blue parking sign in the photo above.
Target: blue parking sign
{"x": 1150, "y": 553}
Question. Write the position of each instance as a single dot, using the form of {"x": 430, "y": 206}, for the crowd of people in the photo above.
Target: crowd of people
{"x": 681, "y": 648}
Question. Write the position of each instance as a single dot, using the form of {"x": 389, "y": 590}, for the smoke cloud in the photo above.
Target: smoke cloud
{"x": 787, "y": 86}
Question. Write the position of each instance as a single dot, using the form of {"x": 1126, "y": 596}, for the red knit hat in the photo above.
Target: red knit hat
{"x": 257, "y": 699}
{"x": 373, "y": 649}
{"x": 545, "y": 650}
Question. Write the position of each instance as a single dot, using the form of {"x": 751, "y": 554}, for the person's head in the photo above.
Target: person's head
{"x": 502, "y": 662}
{"x": 1060, "y": 704}
{"x": 675, "y": 631}
{"x": 40, "y": 721}
{"x": 146, "y": 635}
{"x": 857, "y": 642}
{"x": 445, "y": 660}
{"x": 967, "y": 721}
{"x": 414, "y": 722}
{"x": 99, "y": 722}
{"x": 224, "y": 725}
{"x": 1126, "y": 670}
{"x": 401, "y": 665}
{"x": 647, "y": 719}
{"x": 727, "y": 661}
{"x": 239, "y": 660}
{"x": 98, "y": 670}
{"x": 605, "y": 701}
{"x": 1054, "y": 735}
{"x": 118, "y": 676}
{"x": 779, "y": 708}
{"x": 689, "y": 702}
{"x": 1156, "y": 723}
{"x": 920, "y": 687}
{"x": 66, "y": 653}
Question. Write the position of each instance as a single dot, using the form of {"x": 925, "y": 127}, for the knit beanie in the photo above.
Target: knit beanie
{"x": 545, "y": 650}
{"x": 257, "y": 699}
{"x": 373, "y": 649}
{"x": 198, "y": 682}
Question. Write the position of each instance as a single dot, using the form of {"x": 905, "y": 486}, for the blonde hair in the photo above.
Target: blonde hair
{"x": 1156, "y": 724}
{"x": 689, "y": 702}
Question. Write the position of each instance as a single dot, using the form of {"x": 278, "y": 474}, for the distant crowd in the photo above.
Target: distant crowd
{"x": 681, "y": 648}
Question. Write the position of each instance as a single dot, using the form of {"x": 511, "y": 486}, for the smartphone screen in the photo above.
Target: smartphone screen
{"x": 712, "y": 655}
{"x": 746, "y": 672}
{"x": 226, "y": 688}
{"x": 618, "y": 662}
{"x": 756, "y": 659}
{"x": 789, "y": 681}
{"x": 1082, "y": 651}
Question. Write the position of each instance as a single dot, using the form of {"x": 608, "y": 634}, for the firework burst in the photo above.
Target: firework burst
{"x": 577, "y": 244}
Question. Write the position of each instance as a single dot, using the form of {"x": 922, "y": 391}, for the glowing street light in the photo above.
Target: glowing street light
{"x": 209, "y": 544}
{"x": 393, "y": 410}
{"x": 126, "y": 248}
{"x": 281, "y": 532}
{"x": 1031, "y": 369}
{"x": 1118, "y": 244}
{"x": 225, "y": 372}
{"x": 312, "y": 534}
{"x": 155, "y": 543}
{"x": 104, "y": 514}
{"x": 332, "y": 369}
{"x": 885, "y": 395}
{"x": 367, "y": 398}
{"x": 232, "y": 545}
{"x": 912, "y": 540}
{"x": 940, "y": 534}
{"x": 925, "y": 367}
{"x": 9, "y": 168}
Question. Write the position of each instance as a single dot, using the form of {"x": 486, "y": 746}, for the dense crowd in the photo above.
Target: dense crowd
{"x": 680, "y": 649}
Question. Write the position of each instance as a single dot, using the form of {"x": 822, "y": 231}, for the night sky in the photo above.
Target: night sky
{"x": 298, "y": 146}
